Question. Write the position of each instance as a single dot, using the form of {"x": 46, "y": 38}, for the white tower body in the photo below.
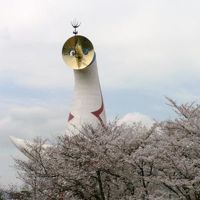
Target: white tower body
{"x": 87, "y": 106}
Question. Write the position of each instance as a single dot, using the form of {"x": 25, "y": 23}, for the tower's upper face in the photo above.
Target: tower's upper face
{"x": 78, "y": 52}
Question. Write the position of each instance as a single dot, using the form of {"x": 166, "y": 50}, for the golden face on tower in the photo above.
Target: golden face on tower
{"x": 78, "y": 52}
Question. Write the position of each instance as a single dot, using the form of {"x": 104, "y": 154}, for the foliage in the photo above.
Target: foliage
{"x": 119, "y": 162}
{"x": 14, "y": 193}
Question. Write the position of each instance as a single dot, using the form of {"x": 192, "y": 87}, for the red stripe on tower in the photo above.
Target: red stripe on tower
{"x": 70, "y": 117}
{"x": 98, "y": 112}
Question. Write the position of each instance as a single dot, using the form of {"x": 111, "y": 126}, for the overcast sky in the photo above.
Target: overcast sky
{"x": 146, "y": 50}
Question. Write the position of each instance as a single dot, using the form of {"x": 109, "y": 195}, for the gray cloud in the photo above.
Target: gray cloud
{"x": 27, "y": 122}
{"x": 130, "y": 118}
{"x": 153, "y": 39}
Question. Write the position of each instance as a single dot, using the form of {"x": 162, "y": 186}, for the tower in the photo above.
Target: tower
{"x": 87, "y": 107}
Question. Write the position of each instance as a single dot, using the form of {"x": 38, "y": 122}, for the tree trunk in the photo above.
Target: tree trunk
{"x": 100, "y": 185}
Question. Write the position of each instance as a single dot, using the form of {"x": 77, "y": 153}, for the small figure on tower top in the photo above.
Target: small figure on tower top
{"x": 75, "y": 25}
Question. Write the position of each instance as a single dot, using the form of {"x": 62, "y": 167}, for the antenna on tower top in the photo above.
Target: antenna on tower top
{"x": 75, "y": 24}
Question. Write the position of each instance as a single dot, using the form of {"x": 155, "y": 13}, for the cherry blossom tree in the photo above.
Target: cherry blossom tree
{"x": 178, "y": 161}
{"x": 119, "y": 162}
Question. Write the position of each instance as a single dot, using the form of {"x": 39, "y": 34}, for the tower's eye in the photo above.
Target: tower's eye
{"x": 72, "y": 52}
{"x": 85, "y": 51}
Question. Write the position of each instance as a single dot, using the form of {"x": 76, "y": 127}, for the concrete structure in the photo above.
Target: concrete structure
{"x": 87, "y": 105}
